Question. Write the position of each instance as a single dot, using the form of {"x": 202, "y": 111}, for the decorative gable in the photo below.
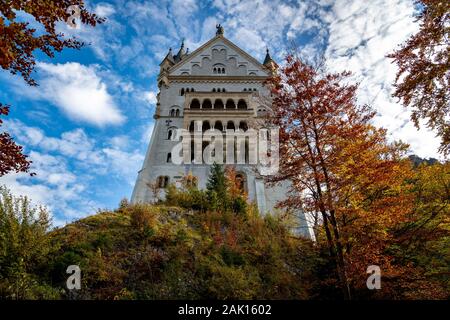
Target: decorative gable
{"x": 219, "y": 57}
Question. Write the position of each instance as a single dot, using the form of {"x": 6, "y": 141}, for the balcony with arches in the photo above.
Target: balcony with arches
{"x": 219, "y": 102}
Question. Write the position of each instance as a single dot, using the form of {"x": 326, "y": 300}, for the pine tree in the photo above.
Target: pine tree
{"x": 217, "y": 186}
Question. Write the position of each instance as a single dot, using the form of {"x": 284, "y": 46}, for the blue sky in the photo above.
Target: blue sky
{"x": 88, "y": 124}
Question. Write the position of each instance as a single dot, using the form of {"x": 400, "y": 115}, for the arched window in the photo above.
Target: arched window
{"x": 245, "y": 89}
{"x": 162, "y": 181}
{"x": 241, "y": 181}
{"x": 207, "y": 104}
{"x": 169, "y": 134}
{"x": 218, "y": 104}
{"x": 205, "y": 126}
{"x": 177, "y": 113}
{"x": 192, "y": 126}
{"x": 230, "y": 104}
{"x": 218, "y": 125}
{"x": 223, "y": 89}
{"x": 182, "y": 92}
{"x": 230, "y": 125}
{"x": 243, "y": 126}
{"x": 169, "y": 157}
{"x": 214, "y": 90}
{"x": 187, "y": 90}
{"x": 242, "y": 104}
{"x": 219, "y": 68}
{"x": 192, "y": 90}
{"x": 195, "y": 104}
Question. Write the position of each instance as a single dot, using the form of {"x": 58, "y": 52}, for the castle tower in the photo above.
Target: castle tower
{"x": 216, "y": 86}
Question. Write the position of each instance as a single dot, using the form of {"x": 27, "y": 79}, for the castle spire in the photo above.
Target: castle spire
{"x": 268, "y": 58}
{"x": 181, "y": 53}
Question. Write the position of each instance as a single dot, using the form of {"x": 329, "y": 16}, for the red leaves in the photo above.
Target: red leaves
{"x": 423, "y": 79}
{"x": 11, "y": 156}
{"x": 18, "y": 41}
{"x": 340, "y": 166}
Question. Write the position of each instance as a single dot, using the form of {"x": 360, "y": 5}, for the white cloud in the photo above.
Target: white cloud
{"x": 104, "y": 10}
{"x": 69, "y": 168}
{"x": 150, "y": 97}
{"x": 361, "y": 34}
{"x": 79, "y": 92}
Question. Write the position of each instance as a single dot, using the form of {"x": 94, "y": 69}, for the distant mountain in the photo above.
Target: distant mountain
{"x": 416, "y": 160}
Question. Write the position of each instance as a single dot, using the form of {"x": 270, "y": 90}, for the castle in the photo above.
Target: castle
{"x": 218, "y": 86}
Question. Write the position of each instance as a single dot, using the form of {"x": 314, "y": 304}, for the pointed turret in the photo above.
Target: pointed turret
{"x": 169, "y": 55}
{"x": 268, "y": 58}
{"x": 181, "y": 53}
{"x": 269, "y": 63}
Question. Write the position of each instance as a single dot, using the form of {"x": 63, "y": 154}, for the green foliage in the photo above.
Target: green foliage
{"x": 187, "y": 255}
{"x": 24, "y": 248}
{"x": 216, "y": 187}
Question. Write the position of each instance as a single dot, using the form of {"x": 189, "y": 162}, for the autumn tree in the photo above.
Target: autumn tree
{"x": 339, "y": 166}
{"x": 423, "y": 77}
{"x": 11, "y": 156}
{"x": 237, "y": 196}
{"x": 18, "y": 44}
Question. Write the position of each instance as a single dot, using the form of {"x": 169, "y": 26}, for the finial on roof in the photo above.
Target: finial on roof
{"x": 219, "y": 29}
{"x": 268, "y": 58}
{"x": 169, "y": 55}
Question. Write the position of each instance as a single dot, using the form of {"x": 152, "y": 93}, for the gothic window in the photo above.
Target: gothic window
{"x": 169, "y": 134}
{"x": 177, "y": 113}
{"x": 223, "y": 89}
{"x": 214, "y": 90}
{"x": 182, "y": 92}
{"x": 187, "y": 90}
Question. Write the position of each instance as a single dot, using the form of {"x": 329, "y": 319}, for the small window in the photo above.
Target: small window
{"x": 163, "y": 181}
{"x": 169, "y": 157}
{"x": 182, "y": 92}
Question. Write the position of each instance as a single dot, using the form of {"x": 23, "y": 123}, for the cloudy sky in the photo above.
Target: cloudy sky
{"x": 88, "y": 124}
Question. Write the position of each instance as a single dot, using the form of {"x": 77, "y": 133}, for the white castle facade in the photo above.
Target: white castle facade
{"x": 218, "y": 86}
